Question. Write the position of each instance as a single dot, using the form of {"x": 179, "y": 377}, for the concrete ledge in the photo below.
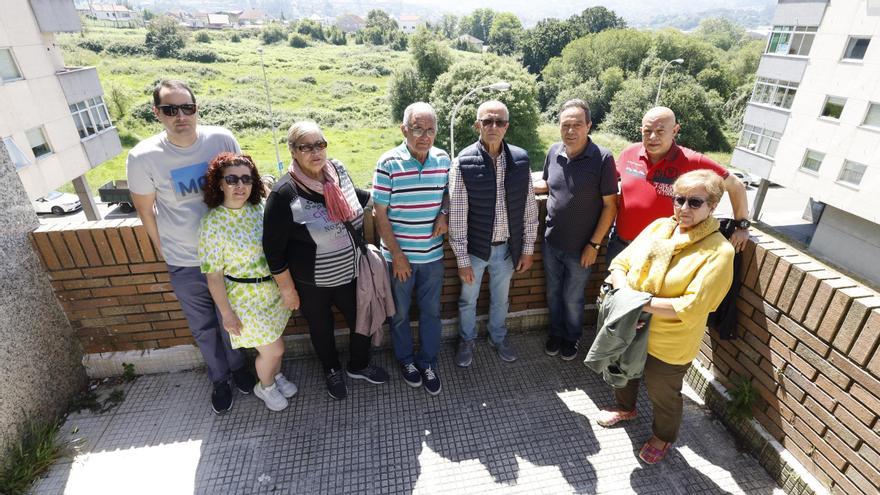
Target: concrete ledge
{"x": 779, "y": 462}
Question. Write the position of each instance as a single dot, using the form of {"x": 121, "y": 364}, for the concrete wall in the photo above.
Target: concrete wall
{"x": 849, "y": 241}
{"x": 40, "y": 356}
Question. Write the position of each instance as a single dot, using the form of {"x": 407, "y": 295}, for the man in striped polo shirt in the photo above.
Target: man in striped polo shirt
{"x": 411, "y": 208}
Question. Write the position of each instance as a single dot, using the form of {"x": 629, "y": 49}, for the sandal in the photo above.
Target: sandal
{"x": 653, "y": 455}
{"x": 610, "y": 417}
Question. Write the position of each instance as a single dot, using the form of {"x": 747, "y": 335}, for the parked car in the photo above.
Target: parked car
{"x": 57, "y": 203}
{"x": 747, "y": 178}
{"x": 116, "y": 192}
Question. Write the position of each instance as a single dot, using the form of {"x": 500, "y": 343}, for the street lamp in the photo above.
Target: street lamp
{"x": 499, "y": 86}
{"x": 271, "y": 115}
{"x": 660, "y": 84}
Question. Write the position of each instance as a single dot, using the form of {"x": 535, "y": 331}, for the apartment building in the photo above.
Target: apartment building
{"x": 813, "y": 123}
{"x": 53, "y": 118}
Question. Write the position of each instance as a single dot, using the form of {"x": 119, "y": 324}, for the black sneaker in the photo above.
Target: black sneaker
{"x": 244, "y": 380}
{"x": 336, "y": 385}
{"x": 568, "y": 351}
{"x": 411, "y": 375}
{"x": 551, "y": 348}
{"x": 221, "y": 397}
{"x": 371, "y": 373}
{"x": 432, "y": 380}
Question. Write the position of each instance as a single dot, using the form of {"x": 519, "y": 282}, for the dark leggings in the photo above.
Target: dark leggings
{"x": 315, "y": 305}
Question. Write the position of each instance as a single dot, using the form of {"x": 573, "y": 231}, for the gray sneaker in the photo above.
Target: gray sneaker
{"x": 465, "y": 355}
{"x": 505, "y": 350}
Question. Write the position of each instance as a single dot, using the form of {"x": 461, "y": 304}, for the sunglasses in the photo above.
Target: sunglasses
{"x": 233, "y": 179}
{"x": 172, "y": 110}
{"x": 693, "y": 203}
{"x": 493, "y": 122}
{"x": 308, "y": 148}
{"x": 419, "y": 131}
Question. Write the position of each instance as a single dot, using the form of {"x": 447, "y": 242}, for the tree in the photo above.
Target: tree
{"x": 164, "y": 37}
{"x": 272, "y": 34}
{"x": 721, "y": 33}
{"x": 544, "y": 41}
{"x": 505, "y": 33}
{"x": 380, "y": 20}
{"x": 432, "y": 57}
{"x": 448, "y": 26}
{"x": 478, "y": 23}
{"x": 589, "y": 56}
{"x": 381, "y": 29}
{"x": 466, "y": 75}
{"x": 594, "y": 20}
{"x": 404, "y": 88}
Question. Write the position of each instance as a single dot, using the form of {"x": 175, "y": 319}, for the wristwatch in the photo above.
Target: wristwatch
{"x": 742, "y": 224}
{"x": 596, "y": 245}
{"x": 444, "y": 211}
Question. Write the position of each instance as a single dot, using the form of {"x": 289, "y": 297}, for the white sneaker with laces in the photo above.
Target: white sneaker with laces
{"x": 271, "y": 396}
{"x": 287, "y": 388}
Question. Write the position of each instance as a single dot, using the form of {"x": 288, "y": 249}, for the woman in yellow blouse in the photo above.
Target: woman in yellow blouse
{"x": 688, "y": 266}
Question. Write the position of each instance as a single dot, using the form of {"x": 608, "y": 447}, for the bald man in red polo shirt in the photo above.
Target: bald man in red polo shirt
{"x": 647, "y": 171}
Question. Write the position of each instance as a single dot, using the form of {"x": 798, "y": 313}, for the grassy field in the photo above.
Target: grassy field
{"x": 341, "y": 87}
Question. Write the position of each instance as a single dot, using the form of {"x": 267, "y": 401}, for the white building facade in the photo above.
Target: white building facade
{"x": 53, "y": 118}
{"x": 813, "y": 123}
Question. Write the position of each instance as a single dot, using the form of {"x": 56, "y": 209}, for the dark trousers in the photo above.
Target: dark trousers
{"x": 315, "y": 305}
{"x": 191, "y": 288}
{"x": 615, "y": 246}
{"x": 663, "y": 381}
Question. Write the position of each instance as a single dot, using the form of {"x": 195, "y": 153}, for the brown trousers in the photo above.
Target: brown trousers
{"x": 663, "y": 381}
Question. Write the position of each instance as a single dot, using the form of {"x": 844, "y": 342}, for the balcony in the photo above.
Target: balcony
{"x": 799, "y": 12}
{"x": 56, "y": 16}
{"x": 79, "y": 85}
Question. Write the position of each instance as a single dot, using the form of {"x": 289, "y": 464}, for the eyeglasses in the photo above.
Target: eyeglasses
{"x": 419, "y": 131}
{"x": 233, "y": 179}
{"x": 308, "y": 148}
{"x": 493, "y": 122}
{"x": 693, "y": 203}
{"x": 172, "y": 110}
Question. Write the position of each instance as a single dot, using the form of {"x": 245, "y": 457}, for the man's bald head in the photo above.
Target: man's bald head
{"x": 659, "y": 130}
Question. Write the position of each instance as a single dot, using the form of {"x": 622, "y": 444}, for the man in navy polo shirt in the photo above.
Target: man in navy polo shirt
{"x": 581, "y": 179}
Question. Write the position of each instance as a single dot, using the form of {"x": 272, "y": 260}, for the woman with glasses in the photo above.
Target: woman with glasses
{"x": 687, "y": 265}
{"x": 231, "y": 255}
{"x": 313, "y": 221}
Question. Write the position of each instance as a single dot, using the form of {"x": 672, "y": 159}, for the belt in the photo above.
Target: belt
{"x": 499, "y": 243}
{"x": 255, "y": 280}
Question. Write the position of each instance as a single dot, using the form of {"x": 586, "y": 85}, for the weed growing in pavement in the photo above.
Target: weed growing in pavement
{"x": 37, "y": 449}
{"x": 743, "y": 396}
{"x": 128, "y": 373}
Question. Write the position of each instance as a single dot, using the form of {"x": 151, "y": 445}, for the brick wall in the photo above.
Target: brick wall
{"x": 114, "y": 286}
{"x": 808, "y": 337}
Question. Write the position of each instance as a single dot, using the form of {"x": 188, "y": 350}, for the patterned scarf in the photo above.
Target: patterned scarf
{"x": 651, "y": 258}
{"x": 337, "y": 207}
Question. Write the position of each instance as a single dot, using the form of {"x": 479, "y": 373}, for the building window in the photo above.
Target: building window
{"x": 833, "y": 107}
{"x": 856, "y": 48}
{"x": 812, "y": 161}
{"x": 774, "y": 92}
{"x": 90, "y": 116}
{"x": 37, "y": 139}
{"x": 15, "y": 154}
{"x": 758, "y": 140}
{"x": 8, "y": 68}
{"x": 852, "y": 173}
{"x": 872, "y": 118}
{"x": 791, "y": 40}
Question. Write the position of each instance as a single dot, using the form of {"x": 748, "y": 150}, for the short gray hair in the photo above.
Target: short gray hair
{"x": 493, "y": 103}
{"x": 419, "y": 107}
{"x": 300, "y": 129}
{"x": 577, "y": 103}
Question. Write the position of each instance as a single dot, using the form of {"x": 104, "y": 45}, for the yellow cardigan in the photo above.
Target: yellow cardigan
{"x": 697, "y": 280}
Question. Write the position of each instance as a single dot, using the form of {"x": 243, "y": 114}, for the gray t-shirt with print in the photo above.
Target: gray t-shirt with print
{"x": 177, "y": 176}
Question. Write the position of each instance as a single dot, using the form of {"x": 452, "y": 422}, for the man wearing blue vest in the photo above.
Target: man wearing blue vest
{"x": 493, "y": 223}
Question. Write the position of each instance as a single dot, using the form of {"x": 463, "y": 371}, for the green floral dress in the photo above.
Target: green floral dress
{"x": 231, "y": 241}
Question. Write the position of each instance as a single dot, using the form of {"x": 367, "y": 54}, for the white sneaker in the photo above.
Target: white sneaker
{"x": 271, "y": 396}
{"x": 287, "y": 388}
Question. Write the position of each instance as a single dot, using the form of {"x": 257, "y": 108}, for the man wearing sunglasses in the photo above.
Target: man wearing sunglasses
{"x": 167, "y": 172}
{"x": 647, "y": 171}
{"x": 493, "y": 223}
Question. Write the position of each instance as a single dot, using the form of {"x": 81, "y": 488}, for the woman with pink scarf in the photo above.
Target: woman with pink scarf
{"x": 314, "y": 217}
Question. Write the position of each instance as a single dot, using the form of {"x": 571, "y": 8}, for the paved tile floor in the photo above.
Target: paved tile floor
{"x": 520, "y": 427}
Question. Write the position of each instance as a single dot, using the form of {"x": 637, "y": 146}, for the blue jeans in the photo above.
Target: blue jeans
{"x": 427, "y": 281}
{"x": 500, "y": 267}
{"x": 566, "y": 280}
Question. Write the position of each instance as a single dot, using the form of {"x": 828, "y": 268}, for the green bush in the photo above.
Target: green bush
{"x": 405, "y": 87}
{"x": 297, "y": 40}
{"x": 202, "y": 55}
{"x": 235, "y": 38}
{"x": 311, "y": 29}
{"x": 325, "y": 67}
{"x": 165, "y": 37}
{"x": 127, "y": 48}
{"x": 309, "y": 80}
{"x": 367, "y": 68}
{"x": 271, "y": 34}
{"x": 92, "y": 45}
{"x": 203, "y": 37}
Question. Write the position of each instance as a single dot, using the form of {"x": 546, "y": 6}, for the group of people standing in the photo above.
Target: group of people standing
{"x": 242, "y": 256}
